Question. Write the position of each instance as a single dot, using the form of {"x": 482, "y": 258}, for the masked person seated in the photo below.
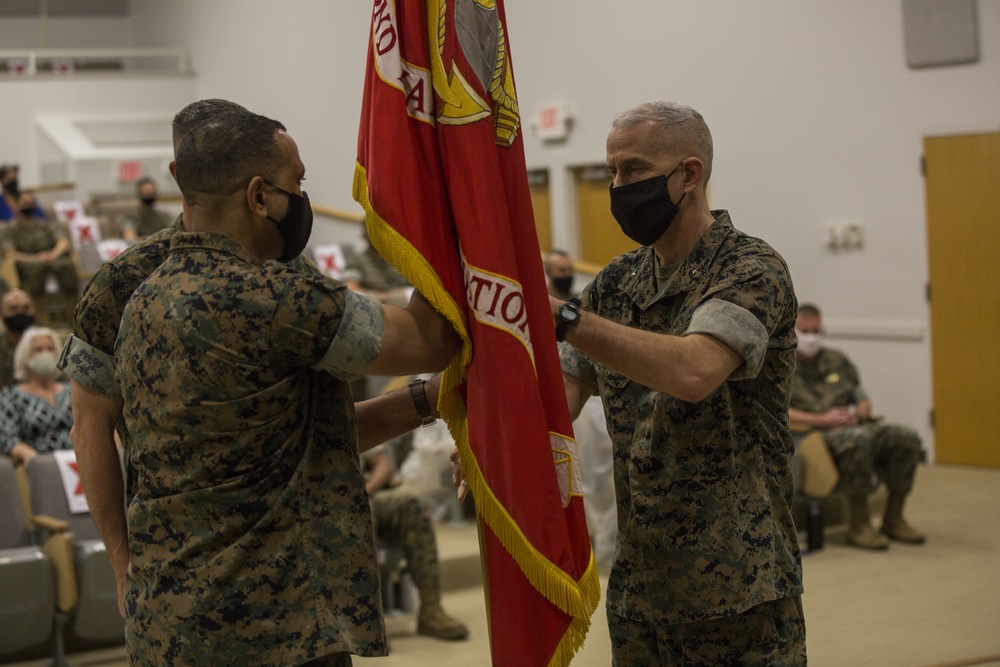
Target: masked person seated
{"x": 147, "y": 219}
{"x": 35, "y": 415}
{"x": 10, "y": 192}
{"x": 827, "y": 395}
{"x": 40, "y": 249}
{"x": 559, "y": 273}
{"x": 17, "y": 311}
{"x": 402, "y": 521}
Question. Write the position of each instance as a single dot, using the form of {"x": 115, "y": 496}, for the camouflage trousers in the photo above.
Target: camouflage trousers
{"x": 33, "y": 275}
{"x": 886, "y": 452}
{"x": 772, "y": 634}
{"x": 403, "y": 522}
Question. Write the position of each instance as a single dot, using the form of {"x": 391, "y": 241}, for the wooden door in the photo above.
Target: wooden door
{"x": 541, "y": 206}
{"x": 963, "y": 239}
{"x": 601, "y": 239}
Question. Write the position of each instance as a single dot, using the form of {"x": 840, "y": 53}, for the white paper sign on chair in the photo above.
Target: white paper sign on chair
{"x": 83, "y": 230}
{"x": 70, "y": 473}
{"x": 330, "y": 259}
{"x": 68, "y": 211}
{"x": 108, "y": 250}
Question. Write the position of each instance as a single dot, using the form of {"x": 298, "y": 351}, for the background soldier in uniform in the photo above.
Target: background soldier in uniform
{"x": 147, "y": 219}
{"x": 40, "y": 249}
{"x": 827, "y": 395}
{"x": 403, "y": 522}
{"x": 690, "y": 343}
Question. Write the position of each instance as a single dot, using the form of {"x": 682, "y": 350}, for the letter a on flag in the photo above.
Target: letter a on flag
{"x": 442, "y": 179}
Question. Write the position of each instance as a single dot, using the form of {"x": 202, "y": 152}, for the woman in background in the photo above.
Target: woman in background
{"x": 35, "y": 414}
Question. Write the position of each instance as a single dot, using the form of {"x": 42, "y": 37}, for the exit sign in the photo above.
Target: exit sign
{"x": 129, "y": 170}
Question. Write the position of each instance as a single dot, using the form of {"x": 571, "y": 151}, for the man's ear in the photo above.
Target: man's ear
{"x": 173, "y": 169}
{"x": 694, "y": 172}
{"x": 255, "y": 197}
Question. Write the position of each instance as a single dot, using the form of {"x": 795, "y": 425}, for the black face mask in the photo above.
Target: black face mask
{"x": 563, "y": 284}
{"x": 296, "y": 227}
{"x": 27, "y": 211}
{"x": 18, "y": 323}
{"x": 643, "y": 209}
{"x": 148, "y": 201}
{"x": 12, "y": 188}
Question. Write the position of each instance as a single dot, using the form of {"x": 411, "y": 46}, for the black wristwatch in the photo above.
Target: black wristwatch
{"x": 567, "y": 317}
{"x": 420, "y": 401}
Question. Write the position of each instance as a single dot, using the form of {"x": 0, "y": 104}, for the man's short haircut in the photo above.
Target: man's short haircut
{"x": 11, "y": 293}
{"x": 22, "y": 352}
{"x": 222, "y": 154}
{"x": 143, "y": 181}
{"x": 199, "y": 112}
{"x": 682, "y": 128}
{"x": 557, "y": 252}
{"x": 7, "y": 169}
{"x": 809, "y": 310}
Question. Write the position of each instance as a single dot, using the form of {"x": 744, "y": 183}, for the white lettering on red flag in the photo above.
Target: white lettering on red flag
{"x": 498, "y": 302}
{"x": 415, "y": 82}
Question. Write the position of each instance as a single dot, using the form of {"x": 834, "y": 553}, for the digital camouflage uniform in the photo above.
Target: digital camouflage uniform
{"x": 703, "y": 489}
{"x": 88, "y": 354}
{"x": 89, "y": 351}
{"x": 862, "y": 453}
{"x": 277, "y": 564}
{"x": 34, "y": 235}
{"x": 402, "y": 522}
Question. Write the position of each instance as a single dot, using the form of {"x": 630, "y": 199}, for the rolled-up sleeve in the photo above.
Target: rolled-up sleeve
{"x": 576, "y": 364}
{"x": 358, "y": 340}
{"x": 736, "y": 327}
{"x": 89, "y": 367}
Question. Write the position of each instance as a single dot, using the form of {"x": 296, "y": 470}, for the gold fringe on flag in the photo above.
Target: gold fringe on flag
{"x": 577, "y": 599}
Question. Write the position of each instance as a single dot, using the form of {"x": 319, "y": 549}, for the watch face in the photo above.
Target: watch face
{"x": 569, "y": 315}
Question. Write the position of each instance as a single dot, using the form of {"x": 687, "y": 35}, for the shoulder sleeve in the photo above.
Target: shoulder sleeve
{"x": 320, "y": 323}
{"x": 90, "y": 367}
{"x": 98, "y": 314}
{"x": 749, "y": 309}
{"x": 358, "y": 340}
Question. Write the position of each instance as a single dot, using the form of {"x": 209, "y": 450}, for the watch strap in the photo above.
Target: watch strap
{"x": 419, "y": 395}
{"x": 563, "y": 325}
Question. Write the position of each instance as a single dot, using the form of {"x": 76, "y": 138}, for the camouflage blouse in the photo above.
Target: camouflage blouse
{"x": 703, "y": 489}
{"x": 827, "y": 381}
{"x": 250, "y": 535}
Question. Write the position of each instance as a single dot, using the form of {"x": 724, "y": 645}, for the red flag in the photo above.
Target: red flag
{"x": 442, "y": 179}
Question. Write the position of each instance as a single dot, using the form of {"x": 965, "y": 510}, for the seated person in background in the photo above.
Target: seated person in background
{"x": 370, "y": 274}
{"x": 35, "y": 415}
{"x": 40, "y": 249}
{"x": 17, "y": 311}
{"x": 148, "y": 219}
{"x": 402, "y": 522}
{"x": 9, "y": 197}
{"x": 827, "y": 395}
{"x": 559, "y": 273}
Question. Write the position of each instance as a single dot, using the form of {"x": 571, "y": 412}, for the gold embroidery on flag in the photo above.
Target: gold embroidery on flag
{"x": 481, "y": 37}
